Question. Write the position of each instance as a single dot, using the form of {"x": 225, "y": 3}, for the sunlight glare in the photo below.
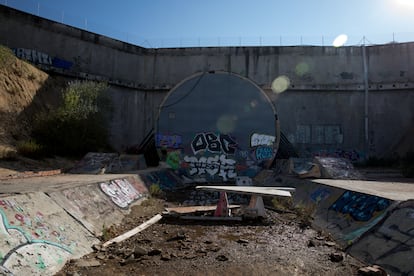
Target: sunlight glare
{"x": 340, "y": 40}
{"x": 226, "y": 124}
{"x": 280, "y": 84}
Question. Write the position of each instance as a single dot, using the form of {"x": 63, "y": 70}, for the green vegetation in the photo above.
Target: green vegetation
{"x": 30, "y": 149}
{"x": 155, "y": 190}
{"x": 79, "y": 125}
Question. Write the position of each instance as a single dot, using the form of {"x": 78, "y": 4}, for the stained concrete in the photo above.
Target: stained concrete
{"x": 37, "y": 236}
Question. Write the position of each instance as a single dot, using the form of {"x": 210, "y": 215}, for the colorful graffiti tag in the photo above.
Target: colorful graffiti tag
{"x": 121, "y": 192}
{"x": 212, "y": 166}
{"x": 360, "y": 207}
{"x": 42, "y": 58}
{"x": 213, "y": 143}
{"x": 27, "y": 236}
{"x": 263, "y": 153}
{"x": 320, "y": 194}
{"x": 165, "y": 179}
{"x": 261, "y": 140}
{"x": 168, "y": 141}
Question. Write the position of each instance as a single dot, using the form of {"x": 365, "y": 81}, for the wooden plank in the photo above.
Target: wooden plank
{"x": 205, "y": 218}
{"x": 193, "y": 209}
{"x": 266, "y": 191}
{"x": 134, "y": 231}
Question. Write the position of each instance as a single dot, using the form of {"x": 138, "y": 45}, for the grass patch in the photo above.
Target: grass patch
{"x": 6, "y": 57}
{"x": 30, "y": 149}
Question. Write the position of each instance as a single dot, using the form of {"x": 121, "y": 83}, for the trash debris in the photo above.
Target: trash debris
{"x": 134, "y": 231}
{"x": 373, "y": 270}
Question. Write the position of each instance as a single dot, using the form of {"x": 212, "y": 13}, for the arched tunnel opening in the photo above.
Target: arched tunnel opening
{"x": 216, "y": 126}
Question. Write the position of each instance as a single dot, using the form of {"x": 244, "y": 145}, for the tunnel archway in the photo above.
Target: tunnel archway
{"x": 216, "y": 126}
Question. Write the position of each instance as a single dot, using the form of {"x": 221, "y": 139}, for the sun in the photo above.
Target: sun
{"x": 405, "y": 3}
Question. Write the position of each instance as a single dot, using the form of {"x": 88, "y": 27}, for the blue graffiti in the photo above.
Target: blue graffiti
{"x": 360, "y": 207}
{"x": 263, "y": 153}
{"x": 320, "y": 194}
{"x": 168, "y": 141}
{"x": 165, "y": 179}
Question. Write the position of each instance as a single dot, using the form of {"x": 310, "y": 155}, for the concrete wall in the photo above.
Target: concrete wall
{"x": 322, "y": 110}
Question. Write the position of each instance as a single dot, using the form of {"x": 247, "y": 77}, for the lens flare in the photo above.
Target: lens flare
{"x": 340, "y": 40}
{"x": 301, "y": 69}
{"x": 280, "y": 84}
{"x": 226, "y": 124}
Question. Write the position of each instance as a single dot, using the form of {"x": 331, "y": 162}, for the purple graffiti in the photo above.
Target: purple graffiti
{"x": 168, "y": 141}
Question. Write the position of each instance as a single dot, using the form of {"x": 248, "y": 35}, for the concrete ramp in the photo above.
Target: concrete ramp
{"x": 343, "y": 213}
{"x": 374, "y": 221}
{"x": 37, "y": 236}
{"x": 390, "y": 243}
{"x": 101, "y": 204}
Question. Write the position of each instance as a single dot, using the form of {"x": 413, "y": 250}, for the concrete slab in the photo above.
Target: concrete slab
{"x": 391, "y": 190}
{"x": 54, "y": 183}
{"x": 101, "y": 204}
{"x": 391, "y": 243}
{"x": 37, "y": 236}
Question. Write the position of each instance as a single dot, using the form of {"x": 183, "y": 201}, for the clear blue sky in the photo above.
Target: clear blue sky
{"x": 157, "y": 22}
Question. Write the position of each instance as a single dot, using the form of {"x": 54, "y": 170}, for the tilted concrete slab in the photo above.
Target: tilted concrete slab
{"x": 373, "y": 220}
{"x": 37, "y": 236}
{"x": 392, "y": 190}
{"x": 101, "y": 204}
{"x": 343, "y": 213}
{"x": 390, "y": 244}
{"x": 54, "y": 183}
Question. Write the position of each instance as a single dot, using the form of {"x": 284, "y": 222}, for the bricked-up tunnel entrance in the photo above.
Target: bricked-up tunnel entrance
{"x": 216, "y": 126}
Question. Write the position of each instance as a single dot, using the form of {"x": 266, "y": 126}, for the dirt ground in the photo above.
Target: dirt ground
{"x": 281, "y": 244}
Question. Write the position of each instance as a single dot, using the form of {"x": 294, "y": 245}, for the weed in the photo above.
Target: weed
{"x": 6, "y": 57}
{"x": 155, "y": 190}
{"x": 30, "y": 149}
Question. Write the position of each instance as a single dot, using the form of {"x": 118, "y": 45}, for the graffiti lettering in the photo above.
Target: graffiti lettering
{"x": 210, "y": 141}
{"x": 168, "y": 141}
{"x": 121, "y": 192}
{"x": 320, "y": 194}
{"x": 173, "y": 159}
{"x": 42, "y": 58}
{"x": 213, "y": 165}
{"x": 261, "y": 140}
{"x": 165, "y": 179}
{"x": 360, "y": 207}
{"x": 21, "y": 240}
{"x": 263, "y": 153}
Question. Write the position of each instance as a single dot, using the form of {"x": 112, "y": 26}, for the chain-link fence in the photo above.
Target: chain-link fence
{"x": 37, "y": 8}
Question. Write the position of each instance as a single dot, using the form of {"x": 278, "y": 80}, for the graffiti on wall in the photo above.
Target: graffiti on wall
{"x": 213, "y": 166}
{"x": 261, "y": 140}
{"x": 320, "y": 194}
{"x": 213, "y": 143}
{"x": 361, "y": 207}
{"x": 173, "y": 159}
{"x": 23, "y": 236}
{"x": 391, "y": 244}
{"x": 37, "y": 57}
{"x": 165, "y": 179}
{"x": 121, "y": 192}
{"x": 351, "y": 155}
{"x": 263, "y": 153}
{"x": 168, "y": 141}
